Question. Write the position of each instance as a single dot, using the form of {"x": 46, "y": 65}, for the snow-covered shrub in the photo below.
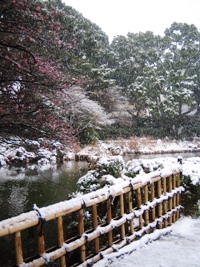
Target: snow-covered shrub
{"x": 113, "y": 165}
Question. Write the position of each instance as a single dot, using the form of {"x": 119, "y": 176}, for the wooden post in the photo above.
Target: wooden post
{"x": 109, "y": 218}
{"x": 95, "y": 224}
{"x": 165, "y": 203}
{"x": 146, "y": 199}
{"x": 178, "y": 198}
{"x": 170, "y": 200}
{"x": 174, "y": 186}
{"x": 130, "y": 208}
{"x": 164, "y": 193}
{"x": 153, "y": 216}
{"x": 18, "y": 248}
{"x": 61, "y": 239}
{"x": 41, "y": 242}
{"x": 159, "y": 190}
{"x": 139, "y": 203}
{"x": 81, "y": 232}
{"x": 121, "y": 204}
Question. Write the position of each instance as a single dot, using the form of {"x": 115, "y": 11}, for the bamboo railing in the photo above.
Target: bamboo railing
{"x": 129, "y": 210}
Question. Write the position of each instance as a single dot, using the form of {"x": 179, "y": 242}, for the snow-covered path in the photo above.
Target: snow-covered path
{"x": 181, "y": 248}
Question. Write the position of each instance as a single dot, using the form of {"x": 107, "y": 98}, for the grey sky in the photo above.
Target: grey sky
{"x": 116, "y": 17}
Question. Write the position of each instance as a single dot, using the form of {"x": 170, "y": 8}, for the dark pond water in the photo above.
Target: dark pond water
{"x": 21, "y": 188}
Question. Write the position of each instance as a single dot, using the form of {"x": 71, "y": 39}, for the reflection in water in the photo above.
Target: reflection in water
{"x": 21, "y": 188}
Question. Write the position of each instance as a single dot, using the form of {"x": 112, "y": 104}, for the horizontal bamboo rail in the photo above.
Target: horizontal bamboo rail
{"x": 132, "y": 208}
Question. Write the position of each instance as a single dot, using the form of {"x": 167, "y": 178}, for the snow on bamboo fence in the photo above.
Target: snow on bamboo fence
{"x": 129, "y": 210}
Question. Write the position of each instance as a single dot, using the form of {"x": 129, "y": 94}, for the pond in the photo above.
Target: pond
{"x": 20, "y": 188}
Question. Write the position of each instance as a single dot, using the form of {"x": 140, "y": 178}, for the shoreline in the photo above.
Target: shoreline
{"x": 16, "y": 153}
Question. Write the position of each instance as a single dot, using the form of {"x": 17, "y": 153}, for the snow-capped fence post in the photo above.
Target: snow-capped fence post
{"x": 174, "y": 197}
{"x": 164, "y": 203}
{"x": 130, "y": 208}
{"x": 121, "y": 204}
{"x": 170, "y": 198}
{"x": 153, "y": 212}
{"x": 159, "y": 190}
{"x": 178, "y": 197}
{"x": 146, "y": 199}
{"x": 139, "y": 203}
{"x": 41, "y": 241}
{"x": 61, "y": 239}
{"x": 95, "y": 225}
{"x": 109, "y": 218}
{"x": 81, "y": 232}
{"x": 18, "y": 248}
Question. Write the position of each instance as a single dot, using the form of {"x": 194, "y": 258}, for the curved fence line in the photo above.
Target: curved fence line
{"x": 98, "y": 223}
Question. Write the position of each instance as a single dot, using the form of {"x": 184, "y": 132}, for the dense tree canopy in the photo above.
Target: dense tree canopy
{"x": 47, "y": 47}
{"x": 42, "y": 49}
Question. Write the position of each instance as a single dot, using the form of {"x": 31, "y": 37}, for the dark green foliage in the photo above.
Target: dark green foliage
{"x": 190, "y": 197}
{"x": 88, "y": 136}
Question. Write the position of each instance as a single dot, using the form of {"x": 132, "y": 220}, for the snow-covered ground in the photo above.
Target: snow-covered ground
{"x": 180, "y": 248}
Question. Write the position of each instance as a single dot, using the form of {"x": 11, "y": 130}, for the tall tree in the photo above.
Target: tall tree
{"x": 32, "y": 81}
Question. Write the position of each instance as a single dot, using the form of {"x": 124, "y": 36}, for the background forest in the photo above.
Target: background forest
{"x": 60, "y": 78}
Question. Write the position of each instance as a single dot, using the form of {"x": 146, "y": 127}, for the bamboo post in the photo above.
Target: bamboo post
{"x": 174, "y": 198}
{"x": 170, "y": 200}
{"x": 109, "y": 218}
{"x": 159, "y": 190}
{"x": 121, "y": 204}
{"x": 174, "y": 186}
{"x": 18, "y": 248}
{"x": 130, "y": 208}
{"x": 41, "y": 242}
{"x": 139, "y": 203}
{"x": 153, "y": 215}
{"x": 146, "y": 199}
{"x": 61, "y": 239}
{"x": 165, "y": 203}
{"x": 95, "y": 224}
{"x": 81, "y": 232}
{"x": 178, "y": 198}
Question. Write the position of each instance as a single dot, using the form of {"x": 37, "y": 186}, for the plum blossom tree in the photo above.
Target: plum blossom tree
{"x": 32, "y": 81}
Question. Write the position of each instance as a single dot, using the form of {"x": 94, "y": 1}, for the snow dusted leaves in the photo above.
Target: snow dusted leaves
{"x": 84, "y": 106}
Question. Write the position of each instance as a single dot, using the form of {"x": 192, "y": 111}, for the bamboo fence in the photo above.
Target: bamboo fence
{"x": 129, "y": 210}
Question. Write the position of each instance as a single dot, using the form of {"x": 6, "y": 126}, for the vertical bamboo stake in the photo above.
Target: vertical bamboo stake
{"x": 164, "y": 203}
{"x": 61, "y": 239}
{"x": 178, "y": 202}
{"x": 130, "y": 208}
{"x": 139, "y": 203}
{"x": 170, "y": 200}
{"x": 164, "y": 192}
{"x": 81, "y": 232}
{"x": 174, "y": 186}
{"x": 95, "y": 224}
{"x": 109, "y": 218}
{"x": 18, "y": 248}
{"x": 159, "y": 190}
{"x": 152, "y": 198}
{"x": 146, "y": 199}
{"x": 121, "y": 204}
{"x": 41, "y": 242}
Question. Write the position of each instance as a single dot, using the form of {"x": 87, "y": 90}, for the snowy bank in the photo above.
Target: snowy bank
{"x": 179, "y": 248}
{"x": 45, "y": 153}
